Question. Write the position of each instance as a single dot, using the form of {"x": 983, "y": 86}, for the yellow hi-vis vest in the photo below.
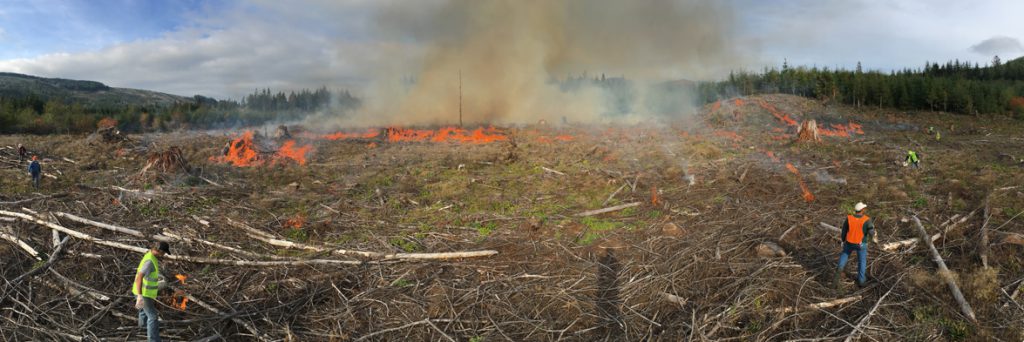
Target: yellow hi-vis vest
{"x": 150, "y": 282}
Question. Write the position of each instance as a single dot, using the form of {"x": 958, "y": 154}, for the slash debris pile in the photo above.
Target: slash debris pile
{"x": 619, "y": 233}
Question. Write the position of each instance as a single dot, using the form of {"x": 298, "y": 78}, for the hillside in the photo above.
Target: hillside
{"x": 86, "y": 93}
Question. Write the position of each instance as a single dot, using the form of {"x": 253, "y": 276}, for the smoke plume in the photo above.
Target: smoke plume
{"x": 515, "y": 57}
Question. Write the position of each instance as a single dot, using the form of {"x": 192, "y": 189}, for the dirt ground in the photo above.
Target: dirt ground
{"x": 680, "y": 261}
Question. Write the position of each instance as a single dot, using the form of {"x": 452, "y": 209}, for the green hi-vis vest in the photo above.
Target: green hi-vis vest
{"x": 912, "y": 156}
{"x": 150, "y": 282}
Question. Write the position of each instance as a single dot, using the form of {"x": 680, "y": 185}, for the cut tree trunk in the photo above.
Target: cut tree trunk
{"x": 808, "y": 132}
{"x": 945, "y": 273}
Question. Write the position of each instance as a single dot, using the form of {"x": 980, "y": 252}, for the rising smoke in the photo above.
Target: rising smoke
{"x": 516, "y": 57}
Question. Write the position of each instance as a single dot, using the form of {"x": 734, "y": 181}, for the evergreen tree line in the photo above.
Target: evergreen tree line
{"x": 32, "y": 114}
{"x": 959, "y": 87}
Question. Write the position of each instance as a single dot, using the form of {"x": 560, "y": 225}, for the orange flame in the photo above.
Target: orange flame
{"x": 296, "y": 222}
{"x": 241, "y": 152}
{"x": 840, "y": 130}
{"x": 772, "y": 155}
{"x": 289, "y": 151}
{"x": 654, "y": 195}
{"x": 184, "y": 304}
{"x": 778, "y": 114}
{"x": 369, "y": 134}
{"x": 808, "y": 196}
{"x": 715, "y": 106}
{"x": 791, "y": 168}
{"x": 738, "y": 102}
{"x": 446, "y": 134}
{"x": 181, "y": 278}
{"x": 371, "y": 145}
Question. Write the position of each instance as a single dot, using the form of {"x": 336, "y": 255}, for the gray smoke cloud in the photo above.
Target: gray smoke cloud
{"x": 512, "y": 55}
{"x": 998, "y": 45}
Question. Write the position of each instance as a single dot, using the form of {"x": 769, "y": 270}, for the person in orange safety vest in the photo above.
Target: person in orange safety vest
{"x": 857, "y": 228}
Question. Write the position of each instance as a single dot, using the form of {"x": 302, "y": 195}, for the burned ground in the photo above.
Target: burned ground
{"x": 619, "y": 275}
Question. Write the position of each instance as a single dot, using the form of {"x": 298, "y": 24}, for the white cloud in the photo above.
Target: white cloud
{"x": 226, "y": 54}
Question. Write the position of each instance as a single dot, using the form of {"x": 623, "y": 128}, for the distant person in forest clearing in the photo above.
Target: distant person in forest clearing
{"x": 36, "y": 171}
{"x": 854, "y": 233}
{"x": 913, "y": 159}
{"x": 22, "y": 152}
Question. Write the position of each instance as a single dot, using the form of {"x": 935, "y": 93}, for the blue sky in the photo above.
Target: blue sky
{"x": 36, "y": 27}
{"x": 228, "y": 48}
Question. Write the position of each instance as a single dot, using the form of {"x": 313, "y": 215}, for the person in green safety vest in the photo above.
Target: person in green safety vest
{"x": 145, "y": 288}
{"x": 913, "y": 159}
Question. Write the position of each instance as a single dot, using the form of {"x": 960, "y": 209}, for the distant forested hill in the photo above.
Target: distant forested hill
{"x": 960, "y": 87}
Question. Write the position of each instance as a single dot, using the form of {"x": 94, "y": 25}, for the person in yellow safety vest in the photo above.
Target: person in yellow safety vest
{"x": 913, "y": 159}
{"x": 145, "y": 288}
{"x": 854, "y": 234}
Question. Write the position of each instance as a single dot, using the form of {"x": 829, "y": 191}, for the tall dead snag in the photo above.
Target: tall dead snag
{"x": 945, "y": 274}
{"x": 808, "y": 132}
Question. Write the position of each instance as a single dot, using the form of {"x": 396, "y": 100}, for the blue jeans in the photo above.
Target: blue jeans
{"x": 148, "y": 319}
{"x": 862, "y": 259}
{"x": 35, "y": 181}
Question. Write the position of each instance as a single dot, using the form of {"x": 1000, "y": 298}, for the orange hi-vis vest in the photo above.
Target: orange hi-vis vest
{"x": 856, "y": 233}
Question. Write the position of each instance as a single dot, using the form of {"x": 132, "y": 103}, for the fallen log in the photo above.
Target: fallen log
{"x": 269, "y": 239}
{"x": 951, "y": 223}
{"x": 607, "y": 210}
{"x": 198, "y": 260}
{"x": 111, "y": 227}
{"x": 945, "y": 273}
{"x": 21, "y": 244}
{"x": 178, "y": 237}
{"x": 817, "y": 306}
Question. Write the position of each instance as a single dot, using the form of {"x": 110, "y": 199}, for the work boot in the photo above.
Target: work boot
{"x": 837, "y": 281}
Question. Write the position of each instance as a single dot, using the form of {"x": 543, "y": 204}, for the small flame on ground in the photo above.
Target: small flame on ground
{"x": 791, "y": 168}
{"x": 446, "y": 134}
{"x": 369, "y": 134}
{"x": 296, "y": 222}
{"x": 654, "y": 195}
{"x": 289, "y": 151}
{"x": 808, "y": 196}
{"x": 181, "y": 278}
{"x": 738, "y": 102}
{"x": 715, "y": 106}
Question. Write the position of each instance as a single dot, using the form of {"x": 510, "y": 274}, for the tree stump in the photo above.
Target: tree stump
{"x": 808, "y": 132}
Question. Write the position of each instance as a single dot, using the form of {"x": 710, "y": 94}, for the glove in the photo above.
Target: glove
{"x": 138, "y": 302}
